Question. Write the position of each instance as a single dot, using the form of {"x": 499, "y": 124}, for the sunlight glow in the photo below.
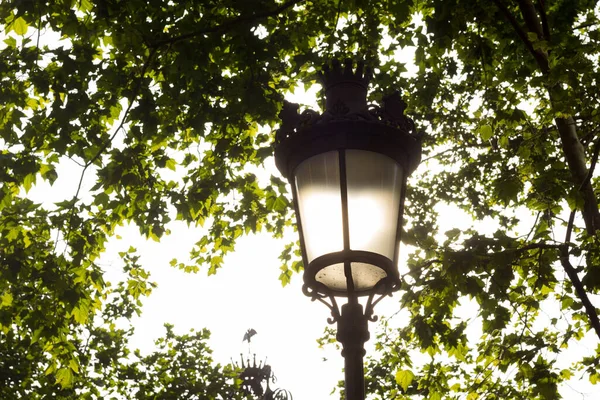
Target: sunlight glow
{"x": 373, "y": 188}
{"x": 321, "y": 222}
{"x": 366, "y": 219}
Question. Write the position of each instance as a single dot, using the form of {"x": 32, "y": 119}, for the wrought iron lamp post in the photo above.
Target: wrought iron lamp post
{"x": 348, "y": 169}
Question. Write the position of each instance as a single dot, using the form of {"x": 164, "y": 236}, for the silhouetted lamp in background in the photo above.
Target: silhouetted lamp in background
{"x": 254, "y": 375}
{"x": 348, "y": 169}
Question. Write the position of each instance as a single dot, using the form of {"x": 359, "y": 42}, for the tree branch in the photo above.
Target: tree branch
{"x": 579, "y": 290}
{"x": 593, "y": 163}
{"x": 570, "y": 227}
{"x": 539, "y": 57}
{"x": 544, "y": 18}
{"x": 533, "y": 246}
{"x": 228, "y": 24}
{"x": 441, "y": 153}
{"x": 421, "y": 267}
{"x": 585, "y": 25}
{"x": 575, "y": 156}
{"x": 530, "y": 16}
{"x": 571, "y": 145}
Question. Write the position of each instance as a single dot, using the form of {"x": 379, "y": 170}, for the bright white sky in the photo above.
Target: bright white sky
{"x": 246, "y": 293}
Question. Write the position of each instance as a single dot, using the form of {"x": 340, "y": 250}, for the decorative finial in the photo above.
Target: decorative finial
{"x": 333, "y": 74}
{"x": 345, "y": 87}
{"x": 394, "y": 106}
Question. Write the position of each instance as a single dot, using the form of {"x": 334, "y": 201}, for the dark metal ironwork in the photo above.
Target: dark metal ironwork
{"x": 254, "y": 375}
{"x": 348, "y": 123}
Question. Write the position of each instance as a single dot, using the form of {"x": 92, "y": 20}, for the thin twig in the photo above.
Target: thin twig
{"x": 537, "y": 218}
{"x": 533, "y": 246}
{"x": 439, "y": 154}
{"x": 515, "y": 309}
{"x": 228, "y": 24}
{"x": 544, "y": 18}
{"x": 421, "y": 267}
{"x": 593, "y": 163}
{"x": 105, "y": 145}
{"x": 476, "y": 385}
{"x": 579, "y": 289}
{"x": 37, "y": 42}
{"x": 480, "y": 37}
{"x": 585, "y": 25}
{"x": 570, "y": 227}
{"x": 540, "y": 59}
{"x": 337, "y": 18}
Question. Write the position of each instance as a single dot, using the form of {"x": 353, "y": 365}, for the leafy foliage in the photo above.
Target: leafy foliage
{"x": 167, "y": 106}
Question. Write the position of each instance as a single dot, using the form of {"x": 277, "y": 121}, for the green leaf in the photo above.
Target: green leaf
{"x": 286, "y": 275}
{"x": 20, "y": 26}
{"x": 404, "y": 378}
{"x": 486, "y": 133}
{"x": 11, "y": 42}
{"x": 6, "y": 299}
{"x": 64, "y": 377}
{"x": 508, "y": 188}
{"x": 280, "y": 204}
{"x": 81, "y": 313}
{"x": 546, "y": 290}
{"x": 74, "y": 366}
{"x": 566, "y": 374}
{"x": 102, "y": 199}
{"x": 435, "y": 396}
{"x": 51, "y": 368}
{"x": 452, "y": 234}
{"x": 86, "y": 5}
{"x": 171, "y": 164}
{"x": 575, "y": 199}
{"x": 29, "y": 181}
{"x": 115, "y": 112}
{"x": 532, "y": 36}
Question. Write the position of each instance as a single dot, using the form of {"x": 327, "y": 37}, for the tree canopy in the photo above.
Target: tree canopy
{"x": 126, "y": 92}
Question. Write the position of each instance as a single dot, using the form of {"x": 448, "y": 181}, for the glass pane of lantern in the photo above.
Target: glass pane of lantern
{"x": 374, "y": 189}
{"x": 364, "y": 276}
{"x": 333, "y": 277}
{"x": 320, "y": 204}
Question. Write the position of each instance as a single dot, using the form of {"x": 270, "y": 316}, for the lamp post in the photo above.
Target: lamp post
{"x": 348, "y": 169}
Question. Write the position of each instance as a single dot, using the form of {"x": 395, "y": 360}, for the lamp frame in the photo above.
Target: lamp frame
{"x": 348, "y": 123}
{"x": 346, "y": 132}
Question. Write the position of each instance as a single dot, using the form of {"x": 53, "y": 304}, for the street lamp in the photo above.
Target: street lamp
{"x": 348, "y": 169}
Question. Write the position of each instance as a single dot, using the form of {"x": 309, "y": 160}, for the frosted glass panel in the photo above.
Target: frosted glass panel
{"x": 320, "y": 203}
{"x": 333, "y": 277}
{"x": 365, "y": 276}
{"x": 374, "y": 189}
